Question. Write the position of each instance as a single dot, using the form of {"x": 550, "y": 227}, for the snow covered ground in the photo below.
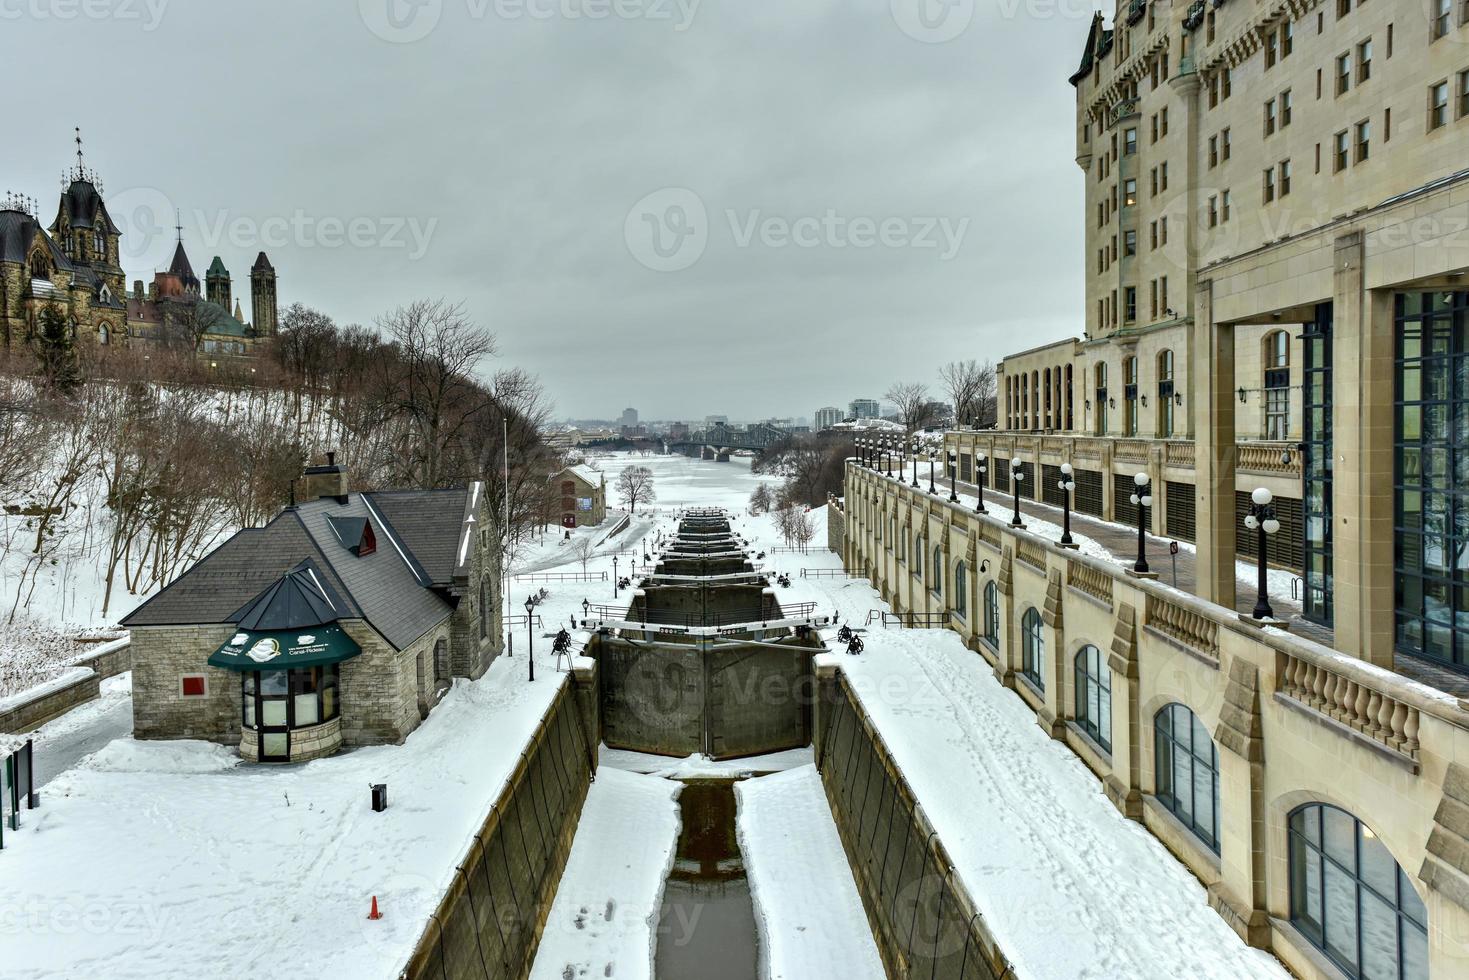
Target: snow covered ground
{"x": 812, "y": 923}
{"x": 605, "y": 915}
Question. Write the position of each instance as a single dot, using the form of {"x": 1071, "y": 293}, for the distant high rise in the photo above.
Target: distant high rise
{"x": 629, "y": 418}
{"x": 864, "y": 408}
{"x": 827, "y": 417}
{"x": 712, "y": 420}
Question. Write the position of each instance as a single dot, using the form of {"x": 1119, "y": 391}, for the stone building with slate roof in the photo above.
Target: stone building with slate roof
{"x": 579, "y": 495}
{"x": 75, "y": 264}
{"x": 341, "y": 622}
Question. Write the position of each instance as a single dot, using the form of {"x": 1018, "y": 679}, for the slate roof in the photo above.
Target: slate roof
{"x": 400, "y": 589}
{"x": 82, "y": 207}
{"x": 181, "y": 267}
{"x": 297, "y": 600}
{"x": 17, "y": 231}
{"x": 262, "y": 264}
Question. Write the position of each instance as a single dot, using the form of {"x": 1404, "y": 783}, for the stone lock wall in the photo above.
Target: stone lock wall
{"x": 923, "y": 918}
{"x": 489, "y": 923}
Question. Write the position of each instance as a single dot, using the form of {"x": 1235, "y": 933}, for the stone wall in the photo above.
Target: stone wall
{"x": 489, "y": 923}
{"x": 836, "y": 526}
{"x": 107, "y": 660}
{"x": 1294, "y": 722}
{"x": 162, "y": 656}
{"x": 924, "y": 920}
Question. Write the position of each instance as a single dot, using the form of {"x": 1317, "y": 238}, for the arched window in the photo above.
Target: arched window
{"x": 918, "y": 556}
{"x": 1032, "y": 648}
{"x": 104, "y": 334}
{"x": 938, "y": 570}
{"x": 1188, "y": 771}
{"x": 1101, "y": 399}
{"x": 441, "y": 662}
{"x": 1094, "y": 696}
{"x": 961, "y": 589}
{"x": 1349, "y": 897}
{"x": 1277, "y": 385}
{"x": 1165, "y": 394}
{"x": 992, "y": 613}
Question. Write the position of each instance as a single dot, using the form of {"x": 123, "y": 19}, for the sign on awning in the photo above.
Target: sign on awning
{"x": 285, "y": 649}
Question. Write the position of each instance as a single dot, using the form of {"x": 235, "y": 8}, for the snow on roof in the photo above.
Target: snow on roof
{"x": 586, "y": 473}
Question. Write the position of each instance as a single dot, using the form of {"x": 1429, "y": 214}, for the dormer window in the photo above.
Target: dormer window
{"x": 354, "y": 533}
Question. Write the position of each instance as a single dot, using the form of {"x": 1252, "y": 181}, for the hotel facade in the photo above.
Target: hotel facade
{"x": 1277, "y": 242}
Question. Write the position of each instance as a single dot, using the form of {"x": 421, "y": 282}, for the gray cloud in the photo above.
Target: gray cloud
{"x": 511, "y": 142}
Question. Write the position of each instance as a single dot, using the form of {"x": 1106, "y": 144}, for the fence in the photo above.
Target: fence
{"x": 726, "y": 617}
{"x": 562, "y": 577}
{"x": 833, "y": 573}
{"x": 912, "y": 620}
{"x": 18, "y": 783}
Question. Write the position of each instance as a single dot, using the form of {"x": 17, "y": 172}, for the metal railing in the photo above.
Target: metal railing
{"x": 833, "y": 573}
{"x": 910, "y": 620}
{"x": 562, "y": 577}
{"x": 727, "y": 617}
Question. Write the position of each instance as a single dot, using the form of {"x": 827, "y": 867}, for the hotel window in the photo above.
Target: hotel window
{"x": 1163, "y": 295}
{"x": 1386, "y": 125}
{"x": 1129, "y": 297}
{"x": 1032, "y": 648}
{"x": 1129, "y": 243}
{"x": 1163, "y": 175}
{"x": 1438, "y": 105}
{"x": 1272, "y": 49}
{"x": 1343, "y": 148}
{"x": 1224, "y": 206}
{"x": 1213, "y": 211}
{"x": 1209, "y": 28}
{"x": 961, "y": 589}
{"x": 1213, "y": 152}
{"x": 1463, "y": 94}
{"x": 992, "y": 613}
{"x": 1286, "y": 103}
{"x": 1350, "y": 898}
{"x": 1152, "y": 235}
{"x": 1364, "y": 61}
{"x": 1431, "y": 468}
{"x": 1163, "y": 115}
{"x": 1094, "y": 696}
{"x": 1129, "y": 192}
{"x": 1226, "y": 83}
{"x": 1287, "y": 39}
{"x": 1284, "y": 178}
{"x": 1364, "y": 140}
{"x": 1163, "y": 230}
{"x": 1165, "y": 389}
{"x": 1270, "y": 117}
{"x": 1130, "y": 141}
{"x": 1443, "y": 20}
{"x": 1224, "y": 144}
{"x": 1101, "y": 399}
{"x": 1343, "y": 73}
{"x": 1186, "y": 762}
{"x": 1389, "y": 40}
{"x": 1277, "y": 385}
{"x": 936, "y": 584}
{"x": 1343, "y": 7}
{"x": 1129, "y": 396}
{"x": 1268, "y": 191}
{"x": 1153, "y": 182}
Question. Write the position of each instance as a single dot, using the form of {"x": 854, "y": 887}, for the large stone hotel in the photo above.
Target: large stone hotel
{"x": 1277, "y": 298}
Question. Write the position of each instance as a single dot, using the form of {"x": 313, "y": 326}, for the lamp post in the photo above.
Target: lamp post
{"x": 951, "y": 460}
{"x": 1016, "y": 475}
{"x": 1262, "y": 518}
{"x": 1142, "y": 499}
{"x": 586, "y": 610}
{"x": 932, "y": 459}
{"x": 913, "y": 445}
{"x": 530, "y": 653}
{"x": 888, "y": 449}
{"x": 1067, "y": 485}
{"x": 979, "y": 471}
{"x": 614, "y": 576}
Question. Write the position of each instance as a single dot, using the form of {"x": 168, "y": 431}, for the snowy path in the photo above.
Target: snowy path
{"x": 811, "y": 919}
{"x": 603, "y": 920}
{"x": 62, "y": 743}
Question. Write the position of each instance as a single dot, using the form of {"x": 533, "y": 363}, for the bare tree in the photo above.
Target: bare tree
{"x": 186, "y": 321}
{"x": 761, "y": 500}
{"x": 635, "y": 486}
{"x": 584, "y": 549}
{"x": 970, "y": 386}
{"x": 915, "y": 409}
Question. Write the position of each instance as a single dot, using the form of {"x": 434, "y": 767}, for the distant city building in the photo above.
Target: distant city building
{"x": 712, "y": 420}
{"x": 678, "y": 430}
{"x": 629, "y": 418}
{"x": 827, "y": 417}
{"x": 864, "y": 408}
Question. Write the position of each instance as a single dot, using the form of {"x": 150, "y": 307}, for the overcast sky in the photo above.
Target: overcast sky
{"x": 741, "y": 207}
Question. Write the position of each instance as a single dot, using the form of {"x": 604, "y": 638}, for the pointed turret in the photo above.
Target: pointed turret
{"x": 217, "y": 283}
{"x": 262, "y": 296}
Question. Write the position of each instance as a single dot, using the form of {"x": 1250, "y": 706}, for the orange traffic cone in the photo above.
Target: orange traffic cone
{"x": 374, "y": 914}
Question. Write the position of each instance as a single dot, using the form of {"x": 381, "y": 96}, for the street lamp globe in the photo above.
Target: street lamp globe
{"x": 1262, "y": 496}
{"x": 1066, "y": 469}
{"x": 1271, "y": 525}
{"x": 1251, "y": 522}
{"x": 1140, "y": 478}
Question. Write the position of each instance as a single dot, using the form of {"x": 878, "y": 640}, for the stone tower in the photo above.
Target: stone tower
{"x": 217, "y": 284}
{"x": 84, "y": 230}
{"x": 262, "y": 296}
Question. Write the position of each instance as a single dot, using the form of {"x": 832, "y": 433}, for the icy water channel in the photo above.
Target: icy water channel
{"x": 706, "y": 926}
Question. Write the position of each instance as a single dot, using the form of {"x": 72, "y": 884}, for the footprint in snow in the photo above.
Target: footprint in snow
{"x": 569, "y": 973}
{"x": 611, "y": 908}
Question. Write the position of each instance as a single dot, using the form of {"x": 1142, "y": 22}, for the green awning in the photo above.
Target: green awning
{"x": 285, "y": 649}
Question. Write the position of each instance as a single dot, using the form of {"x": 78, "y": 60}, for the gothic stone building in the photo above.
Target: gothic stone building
{"x": 75, "y": 265}
{"x": 341, "y": 622}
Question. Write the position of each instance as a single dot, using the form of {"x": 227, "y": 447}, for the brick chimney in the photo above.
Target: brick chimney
{"x": 325, "y": 481}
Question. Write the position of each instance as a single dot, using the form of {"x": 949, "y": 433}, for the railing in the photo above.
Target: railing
{"x": 833, "y": 573}
{"x": 1033, "y": 553}
{"x": 726, "y": 617}
{"x": 1266, "y": 457}
{"x": 562, "y": 577}
{"x": 1190, "y": 628}
{"x": 1275, "y": 458}
{"x": 910, "y": 620}
{"x": 1134, "y": 449}
{"x": 1359, "y": 705}
{"x": 1093, "y": 582}
{"x": 519, "y": 619}
{"x": 1179, "y": 454}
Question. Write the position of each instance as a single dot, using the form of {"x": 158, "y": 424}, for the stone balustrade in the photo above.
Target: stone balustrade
{"x": 1292, "y": 722}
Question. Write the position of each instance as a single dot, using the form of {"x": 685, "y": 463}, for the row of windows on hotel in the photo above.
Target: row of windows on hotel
{"x": 1043, "y": 398}
{"x": 1348, "y": 896}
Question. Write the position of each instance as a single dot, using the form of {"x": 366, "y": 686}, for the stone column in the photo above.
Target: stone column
{"x": 1212, "y": 381}
{"x": 1239, "y": 895}
{"x": 1009, "y": 633}
{"x": 1362, "y": 334}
